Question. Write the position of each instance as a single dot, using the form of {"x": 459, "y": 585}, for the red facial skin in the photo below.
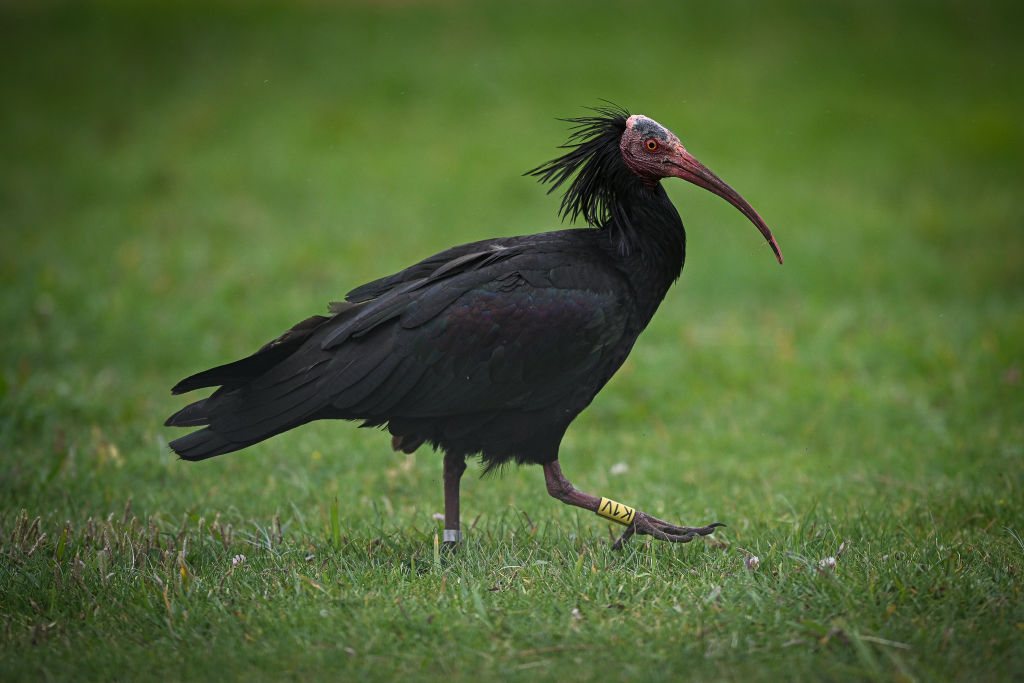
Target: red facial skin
{"x": 653, "y": 152}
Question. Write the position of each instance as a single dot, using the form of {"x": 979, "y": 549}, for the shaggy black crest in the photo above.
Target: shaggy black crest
{"x": 596, "y": 160}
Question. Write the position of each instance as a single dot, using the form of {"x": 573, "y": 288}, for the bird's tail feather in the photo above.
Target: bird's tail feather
{"x": 281, "y": 387}
{"x": 203, "y": 444}
{"x": 289, "y": 395}
{"x": 193, "y": 415}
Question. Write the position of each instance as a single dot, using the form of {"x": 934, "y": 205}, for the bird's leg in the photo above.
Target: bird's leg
{"x": 636, "y": 521}
{"x": 454, "y": 466}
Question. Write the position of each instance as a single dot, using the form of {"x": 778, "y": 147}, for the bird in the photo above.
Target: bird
{"x": 491, "y": 348}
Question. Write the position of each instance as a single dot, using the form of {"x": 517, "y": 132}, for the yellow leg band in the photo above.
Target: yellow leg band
{"x": 617, "y": 512}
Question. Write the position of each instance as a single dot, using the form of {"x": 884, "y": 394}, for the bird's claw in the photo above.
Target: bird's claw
{"x": 645, "y": 524}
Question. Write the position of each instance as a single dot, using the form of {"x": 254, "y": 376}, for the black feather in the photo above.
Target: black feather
{"x": 202, "y": 444}
{"x": 594, "y": 158}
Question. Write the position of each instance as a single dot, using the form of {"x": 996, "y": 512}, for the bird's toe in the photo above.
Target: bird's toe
{"x": 661, "y": 530}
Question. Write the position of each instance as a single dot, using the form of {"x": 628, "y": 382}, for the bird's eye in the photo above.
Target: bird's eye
{"x": 652, "y": 145}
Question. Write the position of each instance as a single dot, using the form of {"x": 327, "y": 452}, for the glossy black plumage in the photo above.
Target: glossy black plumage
{"x": 488, "y": 348}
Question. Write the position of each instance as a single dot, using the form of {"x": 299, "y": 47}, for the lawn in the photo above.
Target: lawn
{"x": 180, "y": 183}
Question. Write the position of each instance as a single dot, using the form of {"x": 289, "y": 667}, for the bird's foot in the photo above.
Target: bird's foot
{"x": 645, "y": 524}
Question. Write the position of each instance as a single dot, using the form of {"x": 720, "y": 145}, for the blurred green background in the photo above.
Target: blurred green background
{"x": 179, "y": 183}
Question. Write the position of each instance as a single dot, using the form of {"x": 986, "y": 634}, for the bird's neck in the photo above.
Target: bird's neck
{"x": 646, "y": 231}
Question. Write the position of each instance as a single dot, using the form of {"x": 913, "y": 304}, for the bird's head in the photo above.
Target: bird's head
{"x": 604, "y": 147}
{"x": 653, "y": 152}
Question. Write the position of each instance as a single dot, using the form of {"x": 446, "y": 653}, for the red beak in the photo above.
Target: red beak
{"x": 689, "y": 169}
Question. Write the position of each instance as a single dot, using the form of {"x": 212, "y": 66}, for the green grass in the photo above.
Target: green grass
{"x": 180, "y": 184}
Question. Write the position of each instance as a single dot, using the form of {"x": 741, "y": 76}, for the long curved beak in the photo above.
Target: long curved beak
{"x": 685, "y": 166}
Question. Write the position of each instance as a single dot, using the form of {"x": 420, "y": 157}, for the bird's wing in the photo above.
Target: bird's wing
{"x": 462, "y": 257}
{"x": 357, "y": 304}
{"x": 424, "y": 288}
{"x": 233, "y": 375}
{"x": 501, "y": 327}
{"x": 487, "y": 326}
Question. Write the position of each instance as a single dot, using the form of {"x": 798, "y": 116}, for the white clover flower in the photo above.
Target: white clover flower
{"x": 827, "y": 563}
{"x": 237, "y": 560}
{"x": 753, "y": 562}
{"x": 618, "y": 468}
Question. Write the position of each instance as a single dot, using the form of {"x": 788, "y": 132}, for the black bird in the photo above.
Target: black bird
{"x": 489, "y": 348}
